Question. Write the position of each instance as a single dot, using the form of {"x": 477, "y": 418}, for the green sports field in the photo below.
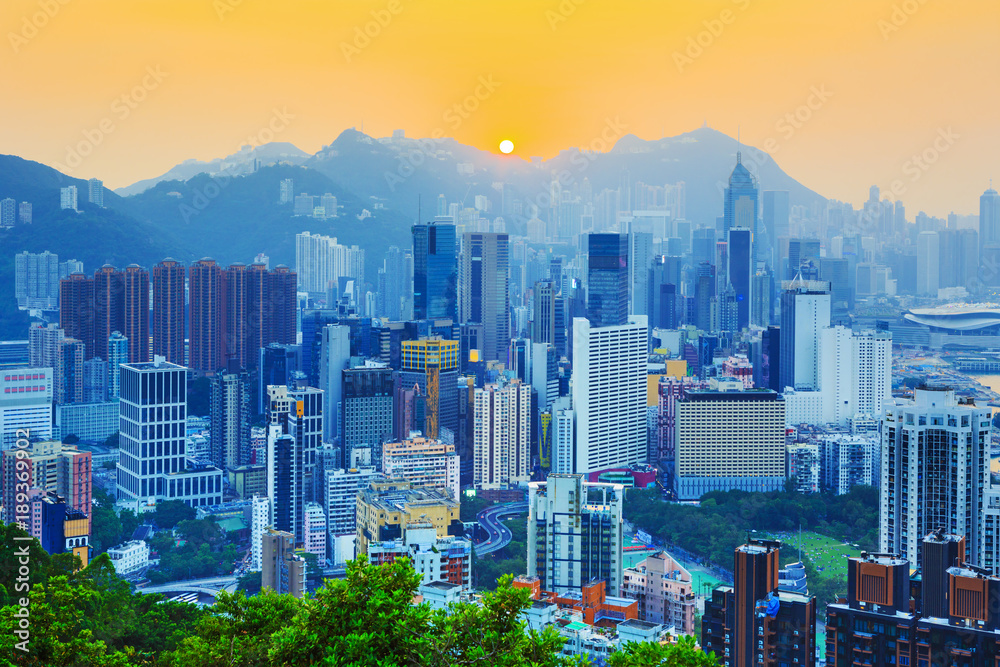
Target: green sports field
{"x": 826, "y": 553}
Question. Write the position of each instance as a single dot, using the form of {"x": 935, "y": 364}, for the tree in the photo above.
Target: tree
{"x": 70, "y": 439}
{"x": 170, "y": 512}
{"x": 249, "y": 582}
{"x": 14, "y": 543}
{"x": 111, "y": 440}
{"x": 682, "y": 654}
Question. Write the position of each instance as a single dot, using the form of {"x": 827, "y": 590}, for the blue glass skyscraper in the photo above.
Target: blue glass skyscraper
{"x": 607, "y": 280}
{"x": 742, "y": 207}
{"x": 435, "y": 271}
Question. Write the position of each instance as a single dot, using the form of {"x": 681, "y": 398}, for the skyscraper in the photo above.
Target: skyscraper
{"x": 76, "y": 309}
{"x": 95, "y": 192}
{"x": 740, "y": 273}
{"x": 435, "y": 271}
{"x": 989, "y": 217}
{"x": 117, "y": 355}
{"x": 484, "y": 290}
{"x": 609, "y": 394}
{"x": 168, "y": 311}
{"x": 205, "y": 331}
{"x": 752, "y": 622}
{"x": 502, "y": 435}
{"x": 335, "y": 355}
{"x": 607, "y": 279}
{"x": 935, "y": 471}
{"x": 805, "y": 311}
{"x": 367, "y": 408}
{"x": 230, "y": 419}
{"x": 135, "y": 313}
{"x": 68, "y": 198}
{"x": 776, "y": 211}
{"x": 543, "y": 325}
{"x": 741, "y": 207}
{"x": 109, "y": 309}
{"x": 432, "y": 364}
{"x": 152, "y": 461}
{"x": 575, "y": 533}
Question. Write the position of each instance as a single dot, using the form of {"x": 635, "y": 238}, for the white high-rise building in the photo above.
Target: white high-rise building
{"x": 25, "y": 405}
{"x": 935, "y": 472}
{"x": 577, "y": 528}
{"x": 314, "y": 535}
{"x": 425, "y": 463}
{"x": 609, "y": 394}
{"x": 95, "y": 192}
{"x": 320, "y": 261}
{"x": 152, "y": 461}
{"x": 563, "y": 436}
{"x": 36, "y": 280}
{"x": 8, "y": 209}
{"x": 260, "y": 519}
{"x": 68, "y": 198}
{"x": 855, "y": 373}
{"x": 502, "y": 440}
{"x": 340, "y": 500}
{"x": 805, "y": 312}
{"x": 287, "y": 191}
{"x": 335, "y": 355}
{"x": 850, "y": 460}
{"x": 928, "y": 263}
{"x": 117, "y": 355}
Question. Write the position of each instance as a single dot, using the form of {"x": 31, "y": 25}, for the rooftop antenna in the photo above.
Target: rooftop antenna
{"x": 418, "y": 209}
{"x": 739, "y": 155}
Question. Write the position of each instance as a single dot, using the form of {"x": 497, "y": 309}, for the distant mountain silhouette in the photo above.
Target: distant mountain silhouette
{"x": 241, "y": 162}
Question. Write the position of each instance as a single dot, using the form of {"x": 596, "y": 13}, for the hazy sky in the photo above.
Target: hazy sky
{"x": 887, "y": 80}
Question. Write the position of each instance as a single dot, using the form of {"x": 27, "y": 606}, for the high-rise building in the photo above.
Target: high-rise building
{"x": 77, "y": 311}
{"x": 394, "y": 289}
{"x": 135, "y": 314}
{"x": 502, "y": 443}
{"x": 543, "y": 324}
{"x": 753, "y": 622}
{"x": 935, "y": 471}
{"x": 69, "y": 372}
{"x": 321, "y": 262}
{"x": 24, "y": 213}
{"x": 335, "y": 356}
{"x": 729, "y": 439}
{"x": 435, "y": 270}
{"x": 117, "y": 355}
{"x": 640, "y": 259}
{"x": 607, "y": 279}
{"x": 741, "y": 201}
{"x": 440, "y": 561}
{"x": 26, "y": 396}
{"x": 950, "y": 618}
{"x": 740, "y": 273}
{"x": 230, "y": 419}
{"x": 432, "y": 365}
{"x": 36, "y": 280}
{"x": 206, "y": 332}
{"x": 68, "y": 198}
{"x": 424, "y": 463}
{"x": 282, "y": 570}
{"x": 484, "y": 290}
{"x": 286, "y": 192}
{"x": 367, "y": 408}
{"x": 314, "y": 531}
{"x": 109, "y": 310}
{"x": 152, "y": 460}
{"x": 575, "y": 533}
{"x": 609, "y": 394}
{"x": 8, "y": 208}
{"x": 95, "y": 192}
{"x": 340, "y": 497}
{"x": 805, "y": 312}
{"x": 989, "y": 217}
{"x": 51, "y": 467}
{"x": 928, "y": 263}
{"x": 279, "y": 364}
{"x": 168, "y": 311}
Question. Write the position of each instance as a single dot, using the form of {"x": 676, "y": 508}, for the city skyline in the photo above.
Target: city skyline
{"x": 632, "y": 63}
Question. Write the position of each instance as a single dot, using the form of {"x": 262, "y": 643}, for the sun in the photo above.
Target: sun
{"x": 506, "y": 146}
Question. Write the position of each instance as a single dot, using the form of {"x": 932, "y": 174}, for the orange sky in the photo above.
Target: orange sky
{"x": 562, "y": 69}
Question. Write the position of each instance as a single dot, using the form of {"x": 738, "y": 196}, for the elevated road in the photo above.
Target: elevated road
{"x": 497, "y": 534}
{"x": 210, "y": 586}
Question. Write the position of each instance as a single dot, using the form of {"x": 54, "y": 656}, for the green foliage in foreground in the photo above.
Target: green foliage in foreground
{"x": 90, "y": 618}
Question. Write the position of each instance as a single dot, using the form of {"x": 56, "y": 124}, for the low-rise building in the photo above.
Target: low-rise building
{"x": 385, "y": 507}
{"x": 664, "y": 590}
{"x": 129, "y": 557}
{"x": 436, "y": 559}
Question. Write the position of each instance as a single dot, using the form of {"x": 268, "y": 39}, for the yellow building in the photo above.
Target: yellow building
{"x": 76, "y": 531}
{"x": 385, "y": 507}
{"x": 417, "y": 354}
